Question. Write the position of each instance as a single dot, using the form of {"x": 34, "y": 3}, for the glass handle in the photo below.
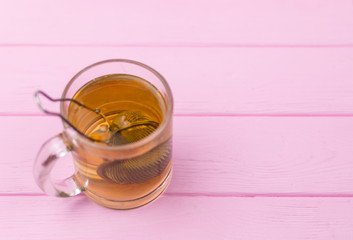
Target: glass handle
{"x": 50, "y": 152}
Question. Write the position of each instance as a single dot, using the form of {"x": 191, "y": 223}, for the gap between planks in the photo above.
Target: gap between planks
{"x": 324, "y": 115}
{"x": 213, "y": 195}
{"x": 179, "y": 45}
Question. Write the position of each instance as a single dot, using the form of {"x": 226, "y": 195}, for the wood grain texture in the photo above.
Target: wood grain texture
{"x": 188, "y": 218}
{"x": 197, "y": 22}
{"x": 263, "y": 123}
{"x": 236, "y": 156}
{"x": 204, "y": 81}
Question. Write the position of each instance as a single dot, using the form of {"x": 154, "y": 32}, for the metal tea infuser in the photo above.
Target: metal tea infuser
{"x": 126, "y": 127}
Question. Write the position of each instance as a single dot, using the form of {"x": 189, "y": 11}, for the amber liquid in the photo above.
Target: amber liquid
{"x": 132, "y": 109}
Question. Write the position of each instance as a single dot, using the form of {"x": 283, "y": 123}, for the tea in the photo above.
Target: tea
{"x": 132, "y": 109}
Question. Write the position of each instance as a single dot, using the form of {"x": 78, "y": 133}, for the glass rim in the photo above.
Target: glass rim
{"x": 151, "y": 137}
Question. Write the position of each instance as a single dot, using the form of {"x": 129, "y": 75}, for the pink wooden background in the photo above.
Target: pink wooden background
{"x": 263, "y": 115}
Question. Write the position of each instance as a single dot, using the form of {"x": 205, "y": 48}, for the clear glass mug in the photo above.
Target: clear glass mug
{"x": 115, "y": 176}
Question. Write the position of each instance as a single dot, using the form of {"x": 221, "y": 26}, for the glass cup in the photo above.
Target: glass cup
{"x": 118, "y": 176}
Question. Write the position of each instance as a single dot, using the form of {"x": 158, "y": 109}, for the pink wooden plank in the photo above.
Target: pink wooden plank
{"x": 218, "y": 155}
{"x": 204, "y": 80}
{"x": 179, "y": 218}
{"x": 155, "y": 22}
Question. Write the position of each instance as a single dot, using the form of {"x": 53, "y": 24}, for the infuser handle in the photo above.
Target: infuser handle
{"x": 50, "y": 152}
{"x": 57, "y": 114}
